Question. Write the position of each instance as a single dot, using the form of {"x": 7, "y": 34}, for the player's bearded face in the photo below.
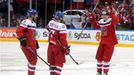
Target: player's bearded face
{"x": 61, "y": 18}
{"x": 34, "y": 16}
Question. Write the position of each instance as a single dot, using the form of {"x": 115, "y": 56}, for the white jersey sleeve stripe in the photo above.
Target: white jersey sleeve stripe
{"x": 63, "y": 31}
{"x": 23, "y": 26}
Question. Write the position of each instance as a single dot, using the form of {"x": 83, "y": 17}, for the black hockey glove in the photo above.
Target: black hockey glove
{"x": 67, "y": 50}
{"x": 23, "y": 41}
{"x": 37, "y": 45}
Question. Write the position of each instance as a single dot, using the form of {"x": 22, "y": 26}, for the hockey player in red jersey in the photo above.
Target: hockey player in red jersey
{"x": 108, "y": 40}
{"x": 26, "y": 34}
{"x": 56, "y": 53}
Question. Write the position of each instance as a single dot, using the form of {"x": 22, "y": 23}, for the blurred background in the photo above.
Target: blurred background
{"x": 76, "y": 14}
{"x": 12, "y": 12}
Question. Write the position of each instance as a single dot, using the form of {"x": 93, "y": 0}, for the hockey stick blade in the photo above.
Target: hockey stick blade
{"x": 73, "y": 59}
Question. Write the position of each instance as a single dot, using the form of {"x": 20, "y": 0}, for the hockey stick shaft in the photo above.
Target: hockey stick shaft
{"x": 64, "y": 48}
{"x": 38, "y": 56}
{"x": 73, "y": 59}
{"x": 95, "y": 6}
{"x": 34, "y": 53}
{"x": 87, "y": 21}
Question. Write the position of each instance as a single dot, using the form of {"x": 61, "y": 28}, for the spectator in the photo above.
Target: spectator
{"x": 40, "y": 23}
{"x": 132, "y": 2}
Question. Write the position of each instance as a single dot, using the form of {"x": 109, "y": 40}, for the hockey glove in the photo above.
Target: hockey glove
{"x": 37, "y": 45}
{"x": 67, "y": 50}
{"x": 92, "y": 17}
{"x": 23, "y": 41}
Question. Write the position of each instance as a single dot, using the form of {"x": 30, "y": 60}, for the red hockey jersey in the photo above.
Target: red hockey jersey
{"x": 27, "y": 30}
{"x": 107, "y": 28}
{"x": 60, "y": 32}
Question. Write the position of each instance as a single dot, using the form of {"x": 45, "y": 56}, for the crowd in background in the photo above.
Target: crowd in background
{"x": 126, "y": 11}
{"x": 16, "y": 20}
{"x": 126, "y": 14}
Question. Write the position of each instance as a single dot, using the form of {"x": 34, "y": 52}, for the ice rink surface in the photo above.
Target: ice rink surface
{"x": 13, "y": 62}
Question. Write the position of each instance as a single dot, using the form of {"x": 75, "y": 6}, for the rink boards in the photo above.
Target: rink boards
{"x": 91, "y": 37}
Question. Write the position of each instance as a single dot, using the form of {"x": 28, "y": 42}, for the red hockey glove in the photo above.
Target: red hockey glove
{"x": 67, "y": 50}
{"x": 23, "y": 41}
{"x": 92, "y": 17}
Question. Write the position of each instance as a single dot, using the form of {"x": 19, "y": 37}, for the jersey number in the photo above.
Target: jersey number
{"x": 52, "y": 33}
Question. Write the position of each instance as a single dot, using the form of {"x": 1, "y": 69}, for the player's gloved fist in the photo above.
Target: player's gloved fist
{"x": 23, "y": 41}
{"x": 92, "y": 17}
{"x": 67, "y": 50}
{"x": 37, "y": 45}
{"x": 67, "y": 47}
{"x": 109, "y": 9}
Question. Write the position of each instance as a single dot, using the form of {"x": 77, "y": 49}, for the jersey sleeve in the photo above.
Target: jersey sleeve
{"x": 63, "y": 35}
{"x": 51, "y": 31}
{"x": 21, "y": 29}
{"x": 94, "y": 23}
{"x": 114, "y": 18}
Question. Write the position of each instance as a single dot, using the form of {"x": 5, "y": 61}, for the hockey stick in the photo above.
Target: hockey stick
{"x": 31, "y": 50}
{"x": 64, "y": 47}
{"x": 87, "y": 22}
{"x": 38, "y": 56}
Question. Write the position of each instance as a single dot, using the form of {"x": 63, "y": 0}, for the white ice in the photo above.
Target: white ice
{"x": 13, "y": 62}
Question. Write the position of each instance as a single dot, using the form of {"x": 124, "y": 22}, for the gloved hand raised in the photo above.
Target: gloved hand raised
{"x": 92, "y": 17}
